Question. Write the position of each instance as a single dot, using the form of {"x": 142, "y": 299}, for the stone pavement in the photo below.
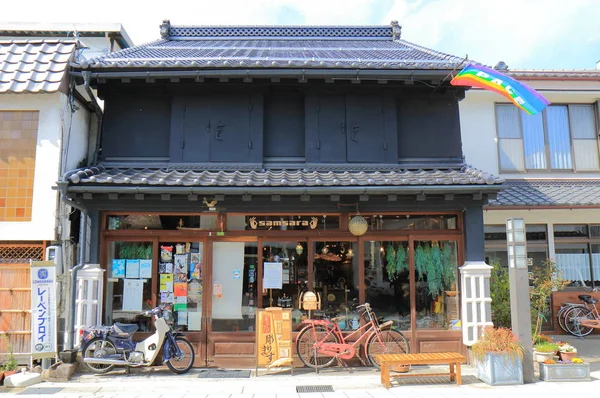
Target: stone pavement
{"x": 342, "y": 383}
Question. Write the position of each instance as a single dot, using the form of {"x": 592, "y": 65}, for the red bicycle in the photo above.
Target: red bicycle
{"x": 321, "y": 342}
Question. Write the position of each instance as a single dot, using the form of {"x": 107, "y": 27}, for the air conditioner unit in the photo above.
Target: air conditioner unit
{"x": 54, "y": 253}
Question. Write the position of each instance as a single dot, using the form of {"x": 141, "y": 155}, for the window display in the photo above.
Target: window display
{"x": 180, "y": 283}
{"x": 335, "y": 268}
{"x": 436, "y": 297}
{"x": 129, "y": 278}
{"x": 387, "y": 281}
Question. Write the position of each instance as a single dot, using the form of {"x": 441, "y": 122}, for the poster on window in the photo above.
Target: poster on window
{"x": 133, "y": 290}
{"x": 43, "y": 309}
{"x": 118, "y": 268}
{"x": 145, "y": 268}
{"x": 273, "y": 278}
{"x": 132, "y": 269}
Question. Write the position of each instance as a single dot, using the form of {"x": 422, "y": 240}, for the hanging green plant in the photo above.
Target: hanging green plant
{"x": 390, "y": 267}
{"x": 420, "y": 260}
{"x": 401, "y": 264}
{"x": 435, "y": 271}
{"x": 449, "y": 275}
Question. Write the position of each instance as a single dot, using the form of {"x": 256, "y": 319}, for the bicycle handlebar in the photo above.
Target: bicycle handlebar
{"x": 365, "y": 305}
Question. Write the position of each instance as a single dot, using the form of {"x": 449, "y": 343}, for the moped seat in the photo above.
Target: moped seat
{"x": 125, "y": 328}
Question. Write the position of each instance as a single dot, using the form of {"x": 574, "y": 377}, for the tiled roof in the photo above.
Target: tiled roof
{"x": 34, "y": 66}
{"x": 291, "y": 47}
{"x": 540, "y": 74}
{"x": 280, "y": 178}
{"x": 549, "y": 193}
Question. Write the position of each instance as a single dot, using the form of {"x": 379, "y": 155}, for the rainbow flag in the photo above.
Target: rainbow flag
{"x": 523, "y": 96}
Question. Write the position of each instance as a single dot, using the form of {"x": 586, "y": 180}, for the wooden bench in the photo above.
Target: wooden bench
{"x": 439, "y": 358}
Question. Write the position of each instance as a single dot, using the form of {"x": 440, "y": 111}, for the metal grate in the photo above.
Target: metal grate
{"x": 41, "y": 391}
{"x": 308, "y": 389}
{"x": 434, "y": 380}
{"x": 11, "y": 254}
{"x": 354, "y": 32}
{"x": 224, "y": 374}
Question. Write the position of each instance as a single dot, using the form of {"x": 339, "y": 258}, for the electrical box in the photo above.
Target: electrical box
{"x": 54, "y": 254}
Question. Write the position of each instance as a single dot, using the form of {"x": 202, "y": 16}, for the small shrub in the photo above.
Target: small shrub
{"x": 498, "y": 340}
{"x": 546, "y": 347}
{"x": 549, "y": 361}
{"x": 577, "y": 360}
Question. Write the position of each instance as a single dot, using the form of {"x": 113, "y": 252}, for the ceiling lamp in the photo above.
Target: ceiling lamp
{"x": 299, "y": 249}
{"x": 358, "y": 225}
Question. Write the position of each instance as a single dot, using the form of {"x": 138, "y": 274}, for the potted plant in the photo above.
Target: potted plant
{"x": 566, "y": 351}
{"x": 574, "y": 370}
{"x": 499, "y": 356}
{"x": 544, "y": 350}
{"x": 9, "y": 366}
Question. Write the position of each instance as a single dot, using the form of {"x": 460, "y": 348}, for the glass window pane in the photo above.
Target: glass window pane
{"x": 570, "y": 231}
{"x": 294, "y": 267}
{"x": 129, "y": 264}
{"x": 180, "y": 283}
{"x": 586, "y": 155}
{"x": 335, "y": 267}
{"x": 234, "y": 286}
{"x": 596, "y": 264}
{"x": 582, "y": 121}
{"x": 573, "y": 263}
{"x": 536, "y": 232}
{"x": 386, "y": 222}
{"x": 494, "y": 233}
{"x": 164, "y": 222}
{"x": 511, "y": 154}
{"x": 508, "y": 121}
{"x": 387, "y": 281}
{"x": 436, "y": 299}
{"x": 559, "y": 140}
{"x": 533, "y": 142}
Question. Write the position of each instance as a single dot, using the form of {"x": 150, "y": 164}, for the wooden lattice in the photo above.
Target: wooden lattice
{"x": 18, "y": 254}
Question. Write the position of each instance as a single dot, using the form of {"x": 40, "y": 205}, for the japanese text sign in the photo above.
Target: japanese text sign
{"x": 43, "y": 309}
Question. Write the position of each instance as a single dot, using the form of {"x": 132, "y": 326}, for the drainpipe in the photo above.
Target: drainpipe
{"x": 70, "y": 329}
{"x": 97, "y": 110}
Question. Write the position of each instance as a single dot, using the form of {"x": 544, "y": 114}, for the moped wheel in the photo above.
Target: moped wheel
{"x": 98, "y": 348}
{"x": 305, "y": 346}
{"x": 389, "y": 342}
{"x": 186, "y": 361}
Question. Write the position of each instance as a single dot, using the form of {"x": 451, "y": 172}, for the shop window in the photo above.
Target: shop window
{"x": 436, "y": 298}
{"x": 163, "y": 222}
{"x": 573, "y": 263}
{"x": 129, "y": 278}
{"x": 290, "y": 261}
{"x": 180, "y": 278}
{"x": 234, "y": 286}
{"x": 387, "y": 281}
{"x": 386, "y": 222}
{"x": 336, "y": 278}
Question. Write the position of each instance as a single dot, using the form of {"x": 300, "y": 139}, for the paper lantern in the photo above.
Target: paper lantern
{"x": 358, "y": 225}
{"x": 299, "y": 249}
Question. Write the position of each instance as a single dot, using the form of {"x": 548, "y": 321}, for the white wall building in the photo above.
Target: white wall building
{"x": 551, "y": 165}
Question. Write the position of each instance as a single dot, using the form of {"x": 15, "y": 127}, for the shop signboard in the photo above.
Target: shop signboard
{"x": 273, "y": 337}
{"x": 43, "y": 309}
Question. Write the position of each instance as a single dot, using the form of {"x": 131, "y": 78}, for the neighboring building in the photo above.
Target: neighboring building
{"x": 45, "y": 127}
{"x": 552, "y": 170}
{"x": 226, "y": 148}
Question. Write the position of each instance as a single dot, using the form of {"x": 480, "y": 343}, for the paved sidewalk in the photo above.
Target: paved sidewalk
{"x": 343, "y": 382}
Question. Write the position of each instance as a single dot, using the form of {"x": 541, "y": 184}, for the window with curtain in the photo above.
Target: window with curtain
{"x": 562, "y": 137}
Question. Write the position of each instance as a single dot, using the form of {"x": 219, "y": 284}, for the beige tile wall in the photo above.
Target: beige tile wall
{"x": 18, "y": 139}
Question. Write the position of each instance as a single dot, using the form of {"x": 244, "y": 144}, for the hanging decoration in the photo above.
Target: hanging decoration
{"x": 358, "y": 225}
{"x": 523, "y": 96}
{"x": 449, "y": 276}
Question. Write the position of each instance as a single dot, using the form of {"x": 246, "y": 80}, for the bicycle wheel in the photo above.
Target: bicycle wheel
{"x": 573, "y": 319}
{"x": 386, "y": 342}
{"x": 185, "y": 362}
{"x": 98, "y": 348}
{"x": 305, "y": 346}
{"x": 560, "y": 315}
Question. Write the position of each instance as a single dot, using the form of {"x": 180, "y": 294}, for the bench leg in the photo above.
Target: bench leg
{"x": 458, "y": 376}
{"x": 385, "y": 374}
{"x": 452, "y": 374}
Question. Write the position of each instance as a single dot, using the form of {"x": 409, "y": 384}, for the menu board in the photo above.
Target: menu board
{"x": 274, "y": 336}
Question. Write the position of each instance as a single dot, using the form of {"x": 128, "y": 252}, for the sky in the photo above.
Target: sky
{"x": 525, "y": 34}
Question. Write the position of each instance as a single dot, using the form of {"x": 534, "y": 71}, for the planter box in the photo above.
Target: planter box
{"x": 499, "y": 369}
{"x": 565, "y": 372}
{"x": 542, "y": 356}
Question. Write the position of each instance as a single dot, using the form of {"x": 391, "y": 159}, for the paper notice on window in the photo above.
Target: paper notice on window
{"x": 166, "y": 282}
{"x": 132, "y": 270}
{"x": 133, "y": 290}
{"x": 182, "y": 318}
{"x": 145, "y": 268}
{"x": 195, "y": 320}
{"x": 273, "y": 277}
{"x": 118, "y": 268}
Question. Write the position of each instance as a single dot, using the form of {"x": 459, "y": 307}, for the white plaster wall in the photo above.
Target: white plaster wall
{"x": 42, "y": 224}
{"x": 478, "y": 124}
{"x": 75, "y": 133}
{"x": 543, "y": 216}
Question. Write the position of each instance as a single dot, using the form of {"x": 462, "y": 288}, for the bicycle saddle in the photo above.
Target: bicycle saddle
{"x": 587, "y": 299}
{"x": 338, "y": 318}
